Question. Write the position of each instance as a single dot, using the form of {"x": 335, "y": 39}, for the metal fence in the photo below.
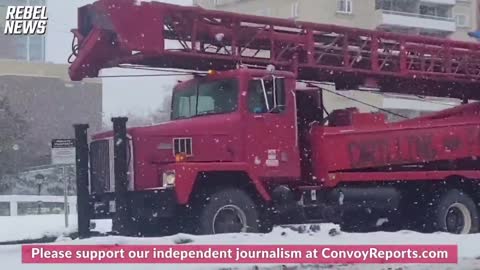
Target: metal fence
{"x": 21, "y": 205}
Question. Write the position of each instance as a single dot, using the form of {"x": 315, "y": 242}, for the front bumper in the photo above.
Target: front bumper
{"x": 150, "y": 204}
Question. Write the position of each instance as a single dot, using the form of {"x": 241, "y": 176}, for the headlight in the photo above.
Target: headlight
{"x": 169, "y": 178}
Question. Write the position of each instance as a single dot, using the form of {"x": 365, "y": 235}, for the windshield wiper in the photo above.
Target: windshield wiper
{"x": 197, "y": 115}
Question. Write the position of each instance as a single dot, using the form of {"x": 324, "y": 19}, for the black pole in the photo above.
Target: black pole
{"x": 122, "y": 219}
{"x": 81, "y": 153}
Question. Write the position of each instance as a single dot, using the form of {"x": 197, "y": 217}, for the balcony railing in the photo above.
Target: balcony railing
{"x": 416, "y": 15}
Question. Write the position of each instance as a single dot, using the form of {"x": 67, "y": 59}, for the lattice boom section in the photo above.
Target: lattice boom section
{"x": 163, "y": 35}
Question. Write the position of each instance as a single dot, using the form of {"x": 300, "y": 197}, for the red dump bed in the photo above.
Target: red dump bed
{"x": 363, "y": 144}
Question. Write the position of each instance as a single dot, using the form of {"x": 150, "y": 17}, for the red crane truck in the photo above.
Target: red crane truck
{"x": 247, "y": 149}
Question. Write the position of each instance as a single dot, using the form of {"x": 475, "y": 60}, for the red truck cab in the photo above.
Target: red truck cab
{"x": 227, "y": 128}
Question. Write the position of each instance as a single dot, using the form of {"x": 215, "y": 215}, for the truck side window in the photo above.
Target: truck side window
{"x": 270, "y": 100}
{"x": 278, "y": 105}
{"x": 185, "y": 105}
{"x": 256, "y": 98}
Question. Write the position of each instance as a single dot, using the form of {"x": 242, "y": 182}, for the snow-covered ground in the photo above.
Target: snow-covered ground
{"x": 16, "y": 228}
{"x": 35, "y": 227}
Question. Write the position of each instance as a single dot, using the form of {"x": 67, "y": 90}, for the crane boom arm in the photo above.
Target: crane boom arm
{"x": 115, "y": 32}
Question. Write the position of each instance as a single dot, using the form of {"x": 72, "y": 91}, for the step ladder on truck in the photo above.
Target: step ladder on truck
{"x": 246, "y": 149}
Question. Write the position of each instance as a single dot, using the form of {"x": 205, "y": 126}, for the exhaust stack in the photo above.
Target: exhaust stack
{"x": 83, "y": 204}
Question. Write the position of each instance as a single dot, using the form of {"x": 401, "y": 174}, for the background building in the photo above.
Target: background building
{"x": 42, "y": 94}
{"x": 46, "y": 103}
{"x": 45, "y": 98}
{"x": 442, "y": 18}
{"x": 38, "y": 103}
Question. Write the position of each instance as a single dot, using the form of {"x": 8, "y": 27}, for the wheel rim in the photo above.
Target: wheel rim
{"x": 229, "y": 219}
{"x": 458, "y": 219}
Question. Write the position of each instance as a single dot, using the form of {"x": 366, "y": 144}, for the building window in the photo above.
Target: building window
{"x": 435, "y": 11}
{"x": 294, "y": 10}
{"x": 3, "y": 14}
{"x": 37, "y": 48}
{"x": 266, "y": 96}
{"x": 21, "y": 48}
{"x": 384, "y": 4}
{"x": 344, "y": 6}
{"x": 224, "y": 2}
{"x": 462, "y": 20}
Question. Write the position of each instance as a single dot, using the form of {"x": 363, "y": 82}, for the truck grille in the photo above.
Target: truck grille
{"x": 100, "y": 166}
{"x": 183, "y": 146}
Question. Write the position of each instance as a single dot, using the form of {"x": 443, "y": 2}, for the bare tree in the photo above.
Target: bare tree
{"x": 162, "y": 114}
{"x": 134, "y": 120}
{"x": 13, "y": 129}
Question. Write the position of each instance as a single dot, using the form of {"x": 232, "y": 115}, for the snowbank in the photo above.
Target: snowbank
{"x": 35, "y": 227}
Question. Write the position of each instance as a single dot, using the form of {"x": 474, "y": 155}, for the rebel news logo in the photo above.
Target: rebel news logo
{"x": 26, "y": 20}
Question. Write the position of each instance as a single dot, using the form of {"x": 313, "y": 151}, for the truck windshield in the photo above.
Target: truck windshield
{"x": 205, "y": 98}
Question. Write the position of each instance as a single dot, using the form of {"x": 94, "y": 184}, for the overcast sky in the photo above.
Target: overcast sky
{"x": 120, "y": 95}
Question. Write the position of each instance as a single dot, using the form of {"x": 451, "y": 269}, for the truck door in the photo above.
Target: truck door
{"x": 271, "y": 132}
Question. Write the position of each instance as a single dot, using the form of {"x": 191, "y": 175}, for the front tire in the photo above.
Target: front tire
{"x": 228, "y": 211}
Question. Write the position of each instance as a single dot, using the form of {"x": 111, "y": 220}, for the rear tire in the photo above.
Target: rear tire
{"x": 455, "y": 212}
{"x": 228, "y": 211}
